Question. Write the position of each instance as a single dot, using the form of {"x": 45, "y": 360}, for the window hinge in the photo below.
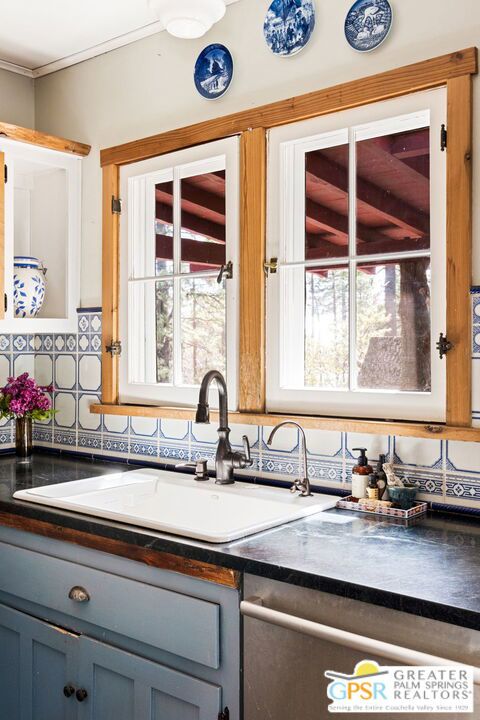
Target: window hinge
{"x": 115, "y": 348}
{"x": 443, "y": 345}
{"x": 116, "y": 205}
{"x": 224, "y": 714}
{"x": 5, "y": 301}
{"x": 270, "y": 266}
{"x": 443, "y": 138}
{"x": 5, "y": 173}
{"x": 226, "y": 272}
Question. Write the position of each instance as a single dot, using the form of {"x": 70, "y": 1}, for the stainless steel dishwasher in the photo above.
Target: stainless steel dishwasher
{"x": 285, "y": 657}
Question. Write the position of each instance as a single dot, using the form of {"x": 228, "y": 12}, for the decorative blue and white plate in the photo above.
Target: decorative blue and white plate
{"x": 289, "y": 25}
{"x": 213, "y": 71}
{"x": 367, "y": 24}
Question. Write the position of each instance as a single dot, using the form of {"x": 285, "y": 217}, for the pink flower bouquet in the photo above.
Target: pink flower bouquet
{"x": 23, "y": 397}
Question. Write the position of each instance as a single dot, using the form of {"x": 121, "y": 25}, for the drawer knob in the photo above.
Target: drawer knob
{"x": 81, "y": 694}
{"x": 79, "y": 594}
{"x": 68, "y": 691}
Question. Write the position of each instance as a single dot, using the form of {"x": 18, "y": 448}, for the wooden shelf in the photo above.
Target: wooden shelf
{"x": 34, "y": 137}
{"x": 358, "y": 425}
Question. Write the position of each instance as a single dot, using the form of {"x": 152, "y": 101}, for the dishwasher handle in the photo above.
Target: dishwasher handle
{"x": 254, "y": 608}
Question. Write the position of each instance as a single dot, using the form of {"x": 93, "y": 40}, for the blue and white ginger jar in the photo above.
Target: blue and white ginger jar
{"x": 28, "y": 286}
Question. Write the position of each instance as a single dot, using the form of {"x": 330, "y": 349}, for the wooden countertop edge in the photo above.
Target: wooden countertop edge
{"x": 152, "y": 558}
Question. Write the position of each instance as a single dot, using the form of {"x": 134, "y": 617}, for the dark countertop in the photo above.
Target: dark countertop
{"x": 430, "y": 567}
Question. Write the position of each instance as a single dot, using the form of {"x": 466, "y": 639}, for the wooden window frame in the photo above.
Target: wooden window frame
{"x": 454, "y": 71}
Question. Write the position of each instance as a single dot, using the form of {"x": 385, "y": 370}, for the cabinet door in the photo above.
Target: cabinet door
{"x": 37, "y": 661}
{"x": 123, "y": 686}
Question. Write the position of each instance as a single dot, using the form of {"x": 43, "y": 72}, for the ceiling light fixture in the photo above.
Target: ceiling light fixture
{"x": 188, "y": 18}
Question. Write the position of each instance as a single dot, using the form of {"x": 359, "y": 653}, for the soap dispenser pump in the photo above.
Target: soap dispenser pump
{"x": 361, "y": 474}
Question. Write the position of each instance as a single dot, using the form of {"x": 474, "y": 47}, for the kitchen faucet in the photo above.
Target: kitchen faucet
{"x": 301, "y": 485}
{"x": 226, "y": 460}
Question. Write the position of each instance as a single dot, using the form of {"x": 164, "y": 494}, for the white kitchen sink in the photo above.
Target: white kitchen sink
{"x": 175, "y": 503}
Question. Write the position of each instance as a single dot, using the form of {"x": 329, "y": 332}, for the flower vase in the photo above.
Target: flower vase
{"x": 23, "y": 439}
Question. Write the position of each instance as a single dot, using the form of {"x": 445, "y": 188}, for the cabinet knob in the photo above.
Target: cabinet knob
{"x": 68, "y": 691}
{"x": 79, "y": 594}
{"x": 81, "y": 694}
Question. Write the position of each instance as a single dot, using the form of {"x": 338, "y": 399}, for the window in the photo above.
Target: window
{"x": 356, "y": 218}
{"x": 177, "y": 308}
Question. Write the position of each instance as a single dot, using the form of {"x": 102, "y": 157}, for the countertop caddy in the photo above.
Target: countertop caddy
{"x": 366, "y": 506}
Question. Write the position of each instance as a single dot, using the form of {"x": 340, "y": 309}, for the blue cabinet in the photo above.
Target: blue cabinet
{"x": 123, "y": 686}
{"x": 37, "y": 661}
{"x": 144, "y": 644}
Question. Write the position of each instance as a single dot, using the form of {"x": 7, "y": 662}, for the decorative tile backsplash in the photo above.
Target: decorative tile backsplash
{"x": 448, "y": 472}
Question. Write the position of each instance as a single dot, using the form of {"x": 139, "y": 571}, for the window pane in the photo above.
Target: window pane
{"x": 203, "y": 222}
{"x": 326, "y": 203}
{"x": 326, "y": 328}
{"x": 393, "y": 325}
{"x": 164, "y": 331}
{"x": 164, "y": 228}
{"x": 393, "y": 193}
{"x": 203, "y": 328}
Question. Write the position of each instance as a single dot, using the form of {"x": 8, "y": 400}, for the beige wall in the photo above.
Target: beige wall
{"x": 147, "y": 87}
{"x": 17, "y": 99}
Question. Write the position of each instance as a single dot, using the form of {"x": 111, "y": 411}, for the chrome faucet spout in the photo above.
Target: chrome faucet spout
{"x": 302, "y": 485}
{"x": 226, "y": 460}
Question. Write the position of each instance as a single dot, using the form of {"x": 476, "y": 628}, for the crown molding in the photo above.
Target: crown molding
{"x": 18, "y": 69}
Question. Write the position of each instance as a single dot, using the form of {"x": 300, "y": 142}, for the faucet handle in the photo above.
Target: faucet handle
{"x": 246, "y": 450}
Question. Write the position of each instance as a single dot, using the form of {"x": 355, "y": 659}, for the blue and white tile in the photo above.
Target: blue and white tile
{"x": 20, "y": 343}
{"x": 115, "y": 444}
{"x": 144, "y": 427}
{"x": 66, "y": 410}
{"x": 324, "y": 444}
{"x": 89, "y": 372}
{"x": 5, "y": 343}
{"x": 95, "y": 322}
{"x": 324, "y": 472}
{"x": 5, "y": 369}
{"x": 83, "y": 323}
{"x": 43, "y": 369}
{"x": 65, "y": 372}
{"x": 65, "y": 437}
{"x": 83, "y": 343}
{"x": 89, "y": 441}
{"x": 7, "y": 433}
{"x": 462, "y": 490}
{"x": 24, "y": 363}
{"x": 177, "y": 430}
{"x": 421, "y": 452}
{"x": 87, "y": 420}
{"x": 96, "y": 343}
{"x": 60, "y": 344}
{"x": 144, "y": 447}
{"x": 463, "y": 457}
{"x": 71, "y": 343}
{"x": 43, "y": 433}
{"x": 375, "y": 445}
{"x": 475, "y": 294}
{"x": 116, "y": 425}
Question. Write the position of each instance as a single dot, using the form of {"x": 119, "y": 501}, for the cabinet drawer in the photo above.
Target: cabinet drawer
{"x": 185, "y": 626}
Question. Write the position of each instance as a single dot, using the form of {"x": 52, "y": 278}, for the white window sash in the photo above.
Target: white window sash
{"x": 138, "y": 279}
{"x": 286, "y": 241}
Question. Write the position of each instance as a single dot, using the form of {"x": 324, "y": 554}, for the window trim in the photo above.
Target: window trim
{"x": 453, "y": 70}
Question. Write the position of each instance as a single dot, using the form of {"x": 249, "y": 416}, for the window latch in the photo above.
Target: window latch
{"x": 115, "y": 348}
{"x": 226, "y": 272}
{"x": 443, "y": 345}
{"x": 270, "y": 266}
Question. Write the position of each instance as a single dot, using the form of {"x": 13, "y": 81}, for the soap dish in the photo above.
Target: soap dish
{"x": 351, "y": 503}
